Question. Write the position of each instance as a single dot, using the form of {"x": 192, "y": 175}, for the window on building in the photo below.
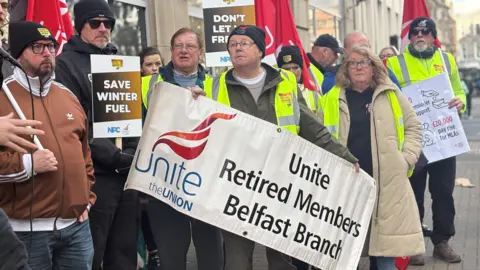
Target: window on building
{"x": 322, "y": 22}
{"x": 130, "y": 33}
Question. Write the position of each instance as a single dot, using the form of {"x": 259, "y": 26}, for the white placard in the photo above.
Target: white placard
{"x": 220, "y": 17}
{"x": 251, "y": 178}
{"x": 116, "y": 96}
{"x": 443, "y": 134}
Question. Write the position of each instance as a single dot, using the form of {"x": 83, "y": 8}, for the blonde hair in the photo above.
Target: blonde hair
{"x": 394, "y": 50}
{"x": 380, "y": 75}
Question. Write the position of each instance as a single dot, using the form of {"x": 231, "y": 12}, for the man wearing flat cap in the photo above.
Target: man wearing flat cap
{"x": 420, "y": 61}
{"x": 272, "y": 95}
{"x": 113, "y": 218}
{"x": 49, "y": 213}
{"x": 290, "y": 58}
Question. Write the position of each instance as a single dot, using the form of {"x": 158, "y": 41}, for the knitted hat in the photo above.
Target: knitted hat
{"x": 23, "y": 33}
{"x": 288, "y": 55}
{"x": 89, "y": 9}
{"x": 423, "y": 22}
{"x": 255, "y": 33}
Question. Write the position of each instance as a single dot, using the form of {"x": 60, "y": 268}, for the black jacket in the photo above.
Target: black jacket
{"x": 74, "y": 71}
{"x": 13, "y": 254}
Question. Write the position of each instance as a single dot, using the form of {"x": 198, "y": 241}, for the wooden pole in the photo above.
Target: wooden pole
{"x": 118, "y": 142}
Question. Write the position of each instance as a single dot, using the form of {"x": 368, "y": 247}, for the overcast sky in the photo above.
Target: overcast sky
{"x": 466, "y": 6}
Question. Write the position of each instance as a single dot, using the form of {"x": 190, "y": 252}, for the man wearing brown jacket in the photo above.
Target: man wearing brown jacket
{"x": 47, "y": 212}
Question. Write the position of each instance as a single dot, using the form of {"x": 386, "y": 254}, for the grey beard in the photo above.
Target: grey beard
{"x": 421, "y": 48}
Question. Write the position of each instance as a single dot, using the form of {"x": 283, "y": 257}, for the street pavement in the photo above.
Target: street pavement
{"x": 467, "y": 220}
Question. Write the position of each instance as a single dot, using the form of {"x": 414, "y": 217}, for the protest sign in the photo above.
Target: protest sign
{"x": 443, "y": 134}
{"x": 116, "y": 94}
{"x": 220, "y": 17}
{"x": 252, "y": 178}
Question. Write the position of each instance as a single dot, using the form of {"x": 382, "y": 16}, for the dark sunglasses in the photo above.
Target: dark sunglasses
{"x": 95, "y": 24}
{"x": 424, "y": 32}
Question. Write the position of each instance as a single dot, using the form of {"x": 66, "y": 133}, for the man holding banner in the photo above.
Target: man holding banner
{"x": 421, "y": 61}
{"x": 172, "y": 230}
{"x": 251, "y": 87}
{"x": 113, "y": 219}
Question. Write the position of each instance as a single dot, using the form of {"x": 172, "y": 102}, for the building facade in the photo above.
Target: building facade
{"x": 441, "y": 13}
{"x": 143, "y": 23}
{"x": 380, "y": 20}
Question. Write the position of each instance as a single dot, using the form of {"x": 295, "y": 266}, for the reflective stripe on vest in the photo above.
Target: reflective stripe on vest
{"x": 287, "y": 109}
{"x": 312, "y": 99}
{"x": 318, "y": 76}
{"x": 147, "y": 83}
{"x": 402, "y": 65}
{"x": 331, "y": 110}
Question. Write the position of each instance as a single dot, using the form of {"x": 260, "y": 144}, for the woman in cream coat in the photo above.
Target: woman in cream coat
{"x": 364, "y": 100}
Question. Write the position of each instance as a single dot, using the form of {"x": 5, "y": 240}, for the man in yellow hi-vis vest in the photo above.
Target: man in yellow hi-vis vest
{"x": 422, "y": 60}
{"x": 271, "y": 95}
{"x": 324, "y": 53}
{"x": 290, "y": 59}
{"x": 171, "y": 229}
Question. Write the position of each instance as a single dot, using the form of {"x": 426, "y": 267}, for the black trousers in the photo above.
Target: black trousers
{"x": 469, "y": 104}
{"x": 173, "y": 232}
{"x": 13, "y": 254}
{"x": 441, "y": 184}
{"x": 145, "y": 224}
{"x": 301, "y": 265}
{"x": 114, "y": 223}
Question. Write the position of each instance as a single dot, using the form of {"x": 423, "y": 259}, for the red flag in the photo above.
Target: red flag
{"x": 411, "y": 10}
{"x": 276, "y": 18}
{"x": 53, "y": 14}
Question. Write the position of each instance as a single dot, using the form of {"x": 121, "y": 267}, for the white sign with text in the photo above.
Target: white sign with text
{"x": 251, "y": 178}
{"x": 443, "y": 134}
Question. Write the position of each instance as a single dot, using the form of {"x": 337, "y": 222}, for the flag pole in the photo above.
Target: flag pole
{"x": 20, "y": 113}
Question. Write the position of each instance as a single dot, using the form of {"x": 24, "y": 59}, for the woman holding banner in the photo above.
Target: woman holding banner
{"x": 367, "y": 113}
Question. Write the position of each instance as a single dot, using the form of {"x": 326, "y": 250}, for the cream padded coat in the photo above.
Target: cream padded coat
{"x": 395, "y": 228}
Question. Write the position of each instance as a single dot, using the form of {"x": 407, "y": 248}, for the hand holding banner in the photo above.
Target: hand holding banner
{"x": 251, "y": 178}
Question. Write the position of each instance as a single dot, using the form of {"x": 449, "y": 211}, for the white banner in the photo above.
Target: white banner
{"x": 443, "y": 134}
{"x": 251, "y": 178}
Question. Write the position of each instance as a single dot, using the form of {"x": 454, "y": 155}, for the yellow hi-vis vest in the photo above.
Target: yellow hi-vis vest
{"x": 331, "y": 111}
{"x": 287, "y": 108}
{"x": 312, "y": 98}
{"x": 318, "y": 76}
{"x": 147, "y": 83}
{"x": 409, "y": 69}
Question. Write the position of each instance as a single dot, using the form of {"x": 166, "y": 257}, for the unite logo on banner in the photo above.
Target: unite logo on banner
{"x": 253, "y": 179}
{"x": 183, "y": 185}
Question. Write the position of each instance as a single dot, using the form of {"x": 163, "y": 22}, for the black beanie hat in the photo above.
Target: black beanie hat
{"x": 89, "y": 9}
{"x": 255, "y": 33}
{"x": 288, "y": 55}
{"x": 423, "y": 22}
{"x": 23, "y": 33}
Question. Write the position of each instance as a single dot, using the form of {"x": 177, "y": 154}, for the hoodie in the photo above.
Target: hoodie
{"x": 73, "y": 70}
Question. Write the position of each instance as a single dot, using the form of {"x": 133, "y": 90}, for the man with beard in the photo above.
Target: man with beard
{"x": 48, "y": 213}
{"x": 420, "y": 61}
{"x": 113, "y": 219}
